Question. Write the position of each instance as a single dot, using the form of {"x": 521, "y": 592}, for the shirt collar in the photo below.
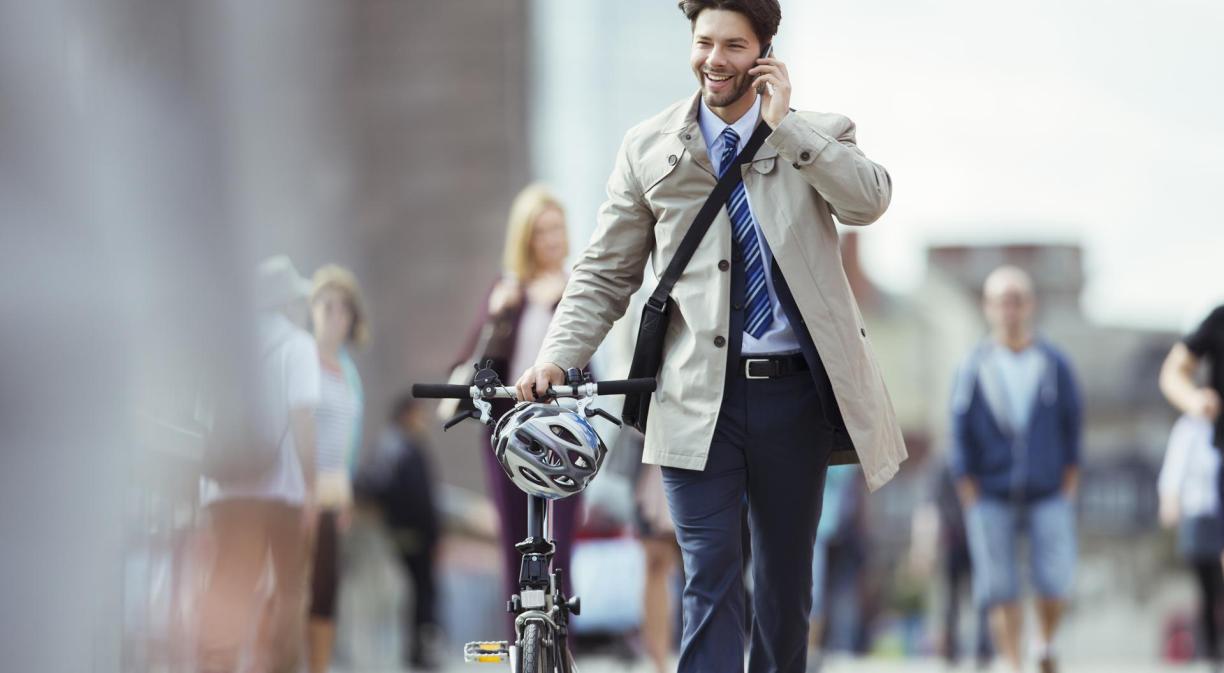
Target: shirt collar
{"x": 712, "y": 127}
{"x": 999, "y": 350}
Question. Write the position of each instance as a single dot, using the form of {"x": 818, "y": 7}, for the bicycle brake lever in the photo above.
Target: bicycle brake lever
{"x": 459, "y": 418}
{"x": 605, "y": 415}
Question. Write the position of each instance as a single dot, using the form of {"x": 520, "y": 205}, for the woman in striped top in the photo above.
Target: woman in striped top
{"x": 338, "y": 323}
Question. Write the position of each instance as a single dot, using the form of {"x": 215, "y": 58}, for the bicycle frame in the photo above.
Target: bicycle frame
{"x": 540, "y": 597}
{"x": 540, "y": 607}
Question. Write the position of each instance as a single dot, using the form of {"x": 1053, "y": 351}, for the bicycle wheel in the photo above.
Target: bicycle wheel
{"x": 534, "y": 655}
{"x": 562, "y": 656}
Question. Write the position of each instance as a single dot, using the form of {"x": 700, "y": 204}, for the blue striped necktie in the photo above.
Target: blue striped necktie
{"x": 760, "y": 312}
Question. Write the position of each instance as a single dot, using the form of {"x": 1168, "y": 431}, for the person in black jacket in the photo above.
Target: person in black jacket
{"x": 399, "y": 480}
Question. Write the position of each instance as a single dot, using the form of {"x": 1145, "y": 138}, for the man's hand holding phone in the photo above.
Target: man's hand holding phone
{"x": 773, "y": 84}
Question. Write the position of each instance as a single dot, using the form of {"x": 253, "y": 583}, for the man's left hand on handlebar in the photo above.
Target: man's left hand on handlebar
{"x": 535, "y": 382}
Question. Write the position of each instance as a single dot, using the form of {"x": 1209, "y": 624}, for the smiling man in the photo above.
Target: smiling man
{"x": 767, "y": 365}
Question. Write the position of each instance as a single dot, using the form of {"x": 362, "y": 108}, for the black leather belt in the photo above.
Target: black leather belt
{"x": 772, "y": 366}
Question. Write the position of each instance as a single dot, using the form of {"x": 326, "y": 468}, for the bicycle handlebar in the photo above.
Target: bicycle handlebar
{"x": 440, "y": 391}
{"x": 620, "y": 387}
{"x": 625, "y": 386}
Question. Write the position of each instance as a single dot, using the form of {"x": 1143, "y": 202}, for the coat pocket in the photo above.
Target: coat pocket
{"x": 659, "y": 162}
{"x": 995, "y": 456}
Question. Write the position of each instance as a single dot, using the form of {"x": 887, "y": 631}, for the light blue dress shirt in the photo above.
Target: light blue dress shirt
{"x": 780, "y": 338}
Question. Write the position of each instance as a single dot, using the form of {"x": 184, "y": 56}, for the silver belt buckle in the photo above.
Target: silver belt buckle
{"x": 748, "y": 368}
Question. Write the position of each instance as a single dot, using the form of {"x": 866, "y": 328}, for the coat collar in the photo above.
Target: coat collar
{"x": 682, "y": 122}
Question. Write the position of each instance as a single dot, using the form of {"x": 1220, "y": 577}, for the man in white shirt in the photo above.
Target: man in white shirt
{"x": 265, "y": 516}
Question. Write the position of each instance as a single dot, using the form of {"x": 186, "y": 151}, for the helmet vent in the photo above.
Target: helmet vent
{"x": 531, "y": 476}
{"x": 565, "y": 434}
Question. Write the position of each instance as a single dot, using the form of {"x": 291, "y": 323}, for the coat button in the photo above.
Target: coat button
{"x": 671, "y": 160}
{"x": 805, "y": 155}
{"x": 796, "y": 164}
{"x": 737, "y": 306}
{"x": 720, "y": 342}
{"x": 688, "y": 136}
{"x": 723, "y": 265}
{"x": 863, "y": 331}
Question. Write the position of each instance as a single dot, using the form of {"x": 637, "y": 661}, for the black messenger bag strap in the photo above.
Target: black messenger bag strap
{"x": 648, "y": 351}
{"x": 701, "y": 224}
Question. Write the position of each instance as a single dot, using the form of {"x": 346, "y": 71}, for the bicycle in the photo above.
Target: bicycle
{"x": 542, "y": 611}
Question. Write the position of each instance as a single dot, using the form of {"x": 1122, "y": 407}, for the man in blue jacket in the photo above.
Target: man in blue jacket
{"x": 1015, "y": 453}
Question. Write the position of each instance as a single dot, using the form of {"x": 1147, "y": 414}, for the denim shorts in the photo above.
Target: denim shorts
{"x": 995, "y": 528}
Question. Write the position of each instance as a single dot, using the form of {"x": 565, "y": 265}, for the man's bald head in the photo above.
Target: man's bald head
{"x": 1007, "y": 279}
{"x": 1009, "y": 302}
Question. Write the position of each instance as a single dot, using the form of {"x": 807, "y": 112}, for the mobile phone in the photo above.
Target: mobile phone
{"x": 766, "y": 51}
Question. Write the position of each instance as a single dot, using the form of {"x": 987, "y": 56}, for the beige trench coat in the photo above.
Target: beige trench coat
{"x": 808, "y": 171}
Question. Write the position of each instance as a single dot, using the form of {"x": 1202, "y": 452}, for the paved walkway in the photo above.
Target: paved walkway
{"x": 600, "y": 665}
{"x": 374, "y": 591}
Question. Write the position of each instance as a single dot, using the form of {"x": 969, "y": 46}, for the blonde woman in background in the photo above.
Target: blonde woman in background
{"x": 509, "y": 332}
{"x": 338, "y": 322}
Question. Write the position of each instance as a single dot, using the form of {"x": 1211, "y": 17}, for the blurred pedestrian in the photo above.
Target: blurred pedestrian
{"x": 939, "y": 537}
{"x": 265, "y": 517}
{"x": 399, "y": 479}
{"x": 1177, "y": 377}
{"x": 1015, "y": 453}
{"x": 837, "y": 517}
{"x": 1189, "y": 501}
{"x": 339, "y": 323}
{"x": 1177, "y": 382}
{"x": 657, "y": 535}
{"x": 509, "y": 332}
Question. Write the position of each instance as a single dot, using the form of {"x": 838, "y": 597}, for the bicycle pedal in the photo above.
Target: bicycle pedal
{"x": 486, "y": 652}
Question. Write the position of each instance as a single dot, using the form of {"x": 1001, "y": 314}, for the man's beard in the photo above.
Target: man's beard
{"x": 740, "y": 85}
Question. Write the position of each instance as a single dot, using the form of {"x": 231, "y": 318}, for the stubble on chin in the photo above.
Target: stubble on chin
{"x": 726, "y": 99}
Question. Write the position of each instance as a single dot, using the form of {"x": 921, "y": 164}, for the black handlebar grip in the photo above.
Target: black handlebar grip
{"x": 625, "y": 387}
{"x": 440, "y": 391}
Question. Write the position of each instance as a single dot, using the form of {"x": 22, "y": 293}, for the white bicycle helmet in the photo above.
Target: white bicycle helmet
{"x": 547, "y": 451}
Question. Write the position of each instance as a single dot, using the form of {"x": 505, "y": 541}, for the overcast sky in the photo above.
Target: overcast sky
{"x": 1048, "y": 120}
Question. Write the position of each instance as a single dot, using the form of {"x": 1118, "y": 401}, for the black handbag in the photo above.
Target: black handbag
{"x": 648, "y": 351}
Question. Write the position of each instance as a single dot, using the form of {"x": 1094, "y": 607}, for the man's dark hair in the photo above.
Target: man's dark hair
{"x": 764, "y": 15}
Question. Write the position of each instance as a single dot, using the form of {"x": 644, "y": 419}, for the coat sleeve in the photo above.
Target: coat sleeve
{"x": 823, "y": 149}
{"x": 1072, "y": 413}
{"x": 960, "y": 459}
{"x": 606, "y": 275}
{"x": 474, "y": 333}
